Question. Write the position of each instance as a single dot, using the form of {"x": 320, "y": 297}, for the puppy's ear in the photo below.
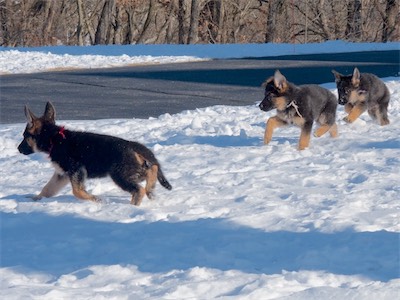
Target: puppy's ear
{"x": 338, "y": 76}
{"x": 30, "y": 117}
{"x": 280, "y": 81}
{"x": 265, "y": 83}
{"x": 355, "y": 80}
{"x": 50, "y": 113}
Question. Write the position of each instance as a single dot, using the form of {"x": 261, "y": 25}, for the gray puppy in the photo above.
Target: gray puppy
{"x": 300, "y": 105}
{"x": 360, "y": 92}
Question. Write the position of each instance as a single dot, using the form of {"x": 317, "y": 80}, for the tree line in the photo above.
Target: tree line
{"x": 95, "y": 22}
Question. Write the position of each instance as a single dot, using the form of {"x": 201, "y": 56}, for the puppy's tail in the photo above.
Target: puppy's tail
{"x": 162, "y": 180}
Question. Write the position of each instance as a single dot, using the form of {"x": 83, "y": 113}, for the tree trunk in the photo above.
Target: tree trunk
{"x": 104, "y": 33}
{"x": 81, "y": 23}
{"x": 389, "y": 21}
{"x": 181, "y": 22}
{"x": 194, "y": 23}
{"x": 4, "y": 23}
{"x": 353, "y": 26}
{"x": 169, "y": 32}
{"x": 118, "y": 27}
{"x": 324, "y": 18}
{"x": 221, "y": 23}
{"x": 48, "y": 23}
{"x": 150, "y": 16}
{"x": 274, "y": 8}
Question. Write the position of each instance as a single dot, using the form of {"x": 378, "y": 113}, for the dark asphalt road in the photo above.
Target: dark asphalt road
{"x": 144, "y": 91}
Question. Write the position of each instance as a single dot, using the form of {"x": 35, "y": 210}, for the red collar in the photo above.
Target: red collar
{"x": 61, "y": 132}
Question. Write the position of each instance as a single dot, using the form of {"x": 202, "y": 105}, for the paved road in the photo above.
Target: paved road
{"x": 144, "y": 91}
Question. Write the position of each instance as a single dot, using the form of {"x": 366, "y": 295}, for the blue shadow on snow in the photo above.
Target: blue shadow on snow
{"x": 216, "y": 141}
{"x": 64, "y": 244}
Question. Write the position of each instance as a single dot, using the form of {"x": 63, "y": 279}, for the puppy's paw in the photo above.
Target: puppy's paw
{"x": 35, "y": 197}
{"x": 347, "y": 120}
{"x": 96, "y": 199}
{"x": 150, "y": 195}
{"x": 385, "y": 122}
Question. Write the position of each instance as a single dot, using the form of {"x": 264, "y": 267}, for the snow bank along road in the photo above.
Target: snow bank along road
{"x": 144, "y": 91}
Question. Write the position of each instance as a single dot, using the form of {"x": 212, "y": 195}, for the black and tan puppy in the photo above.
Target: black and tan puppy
{"x": 299, "y": 105}
{"x": 80, "y": 155}
{"x": 360, "y": 92}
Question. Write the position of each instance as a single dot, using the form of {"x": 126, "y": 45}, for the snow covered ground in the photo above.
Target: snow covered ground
{"x": 28, "y": 60}
{"x": 244, "y": 220}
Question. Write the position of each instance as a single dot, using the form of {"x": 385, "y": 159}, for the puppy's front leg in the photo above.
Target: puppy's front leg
{"x": 56, "y": 183}
{"x": 348, "y": 107}
{"x": 355, "y": 112}
{"x": 272, "y": 123}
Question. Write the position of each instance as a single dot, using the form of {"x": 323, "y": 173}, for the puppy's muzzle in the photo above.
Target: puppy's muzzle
{"x": 265, "y": 106}
{"x": 342, "y": 101}
{"x": 24, "y": 148}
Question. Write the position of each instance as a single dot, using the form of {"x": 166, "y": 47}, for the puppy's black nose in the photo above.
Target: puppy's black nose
{"x": 24, "y": 148}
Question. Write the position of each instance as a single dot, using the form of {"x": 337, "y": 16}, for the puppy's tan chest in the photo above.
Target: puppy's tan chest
{"x": 291, "y": 117}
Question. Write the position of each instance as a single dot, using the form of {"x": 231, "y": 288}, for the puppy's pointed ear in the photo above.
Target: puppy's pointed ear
{"x": 30, "y": 117}
{"x": 338, "y": 76}
{"x": 355, "y": 80}
{"x": 265, "y": 83}
{"x": 50, "y": 113}
{"x": 280, "y": 81}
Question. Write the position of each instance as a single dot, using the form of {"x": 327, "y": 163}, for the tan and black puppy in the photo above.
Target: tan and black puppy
{"x": 362, "y": 92}
{"x": 80, "y": 155}
{"x": 299, "y": 105}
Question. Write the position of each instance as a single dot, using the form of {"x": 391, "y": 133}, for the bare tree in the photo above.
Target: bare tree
{"x": 181, "y": 18}
{"x": 353, "y": 26}
{"x": 105, "y": 28}
{"x": 194, "y": 22}
{"x": 5, "y": 14}
{"x": 274, "y": 10}
{"x": 82, "y": 22}
{"x": 389, "y": 19}
{"x": 211, "y": 21}
{"x": 151, "y": 13}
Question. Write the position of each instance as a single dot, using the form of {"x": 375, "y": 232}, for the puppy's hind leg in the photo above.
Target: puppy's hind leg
{"x": 151, "y": 179}
{"x": 78, "y": 186}
{"x": 322, "y": 130}
{"x": 325, "y": 128}
{"x": 304, "y": 141}
{"x": 55, "y": 184}
{"x": 383, "y": 118}
{"x": 138, "y": 196}
{"x": 383, "y": 111}
{"x": 129, "y": 185}
{"x": 333, "y": 131}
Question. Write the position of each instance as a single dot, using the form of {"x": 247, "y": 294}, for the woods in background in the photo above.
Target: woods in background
{"x": 94, "y": 22}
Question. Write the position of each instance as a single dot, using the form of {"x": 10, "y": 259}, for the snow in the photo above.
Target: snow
{"x": 38, "y": 59}
{"x": 243, "y": 221}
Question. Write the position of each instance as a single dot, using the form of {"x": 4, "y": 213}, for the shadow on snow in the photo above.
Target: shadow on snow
{"x": 65, "y": 244}
{"x": 216, "y": 141}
